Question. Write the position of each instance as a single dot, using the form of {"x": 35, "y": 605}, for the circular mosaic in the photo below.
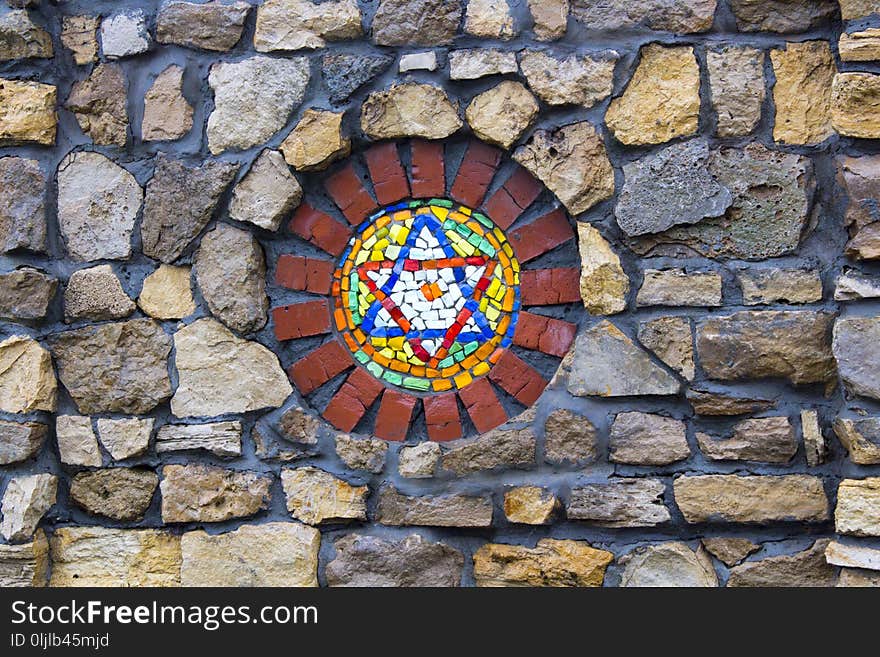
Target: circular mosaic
{"x": 427, "y": 295}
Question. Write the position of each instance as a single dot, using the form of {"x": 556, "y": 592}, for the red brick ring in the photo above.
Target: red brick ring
{"x": 393, "y": 187}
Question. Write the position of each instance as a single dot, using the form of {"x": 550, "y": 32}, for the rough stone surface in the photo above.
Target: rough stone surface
{"x": 736, "y": 78}
{"x": 853, "y": 286}
{"x": 22, "y": 205}
{"x": 27, "y": 112}
{"x": 204, "y": 493}
{"x": 453, "y": 510}
{"x": 854, "y": 348}
{"x": 768, "y": 286}
{"x": 94, "y": 294}
{"x": 418, "y": 61}
{"x": 569, "y": 437}
{"x": 116, "y": 493}
{"x": 647, "y": 439}
{"x": 114, "y": 368}
{"x": 299, "y": 426}
{"x": 180, "y": 201}
{"x": 26, "y": 564}
{"x": 409, "y": 110}
{"x": 220, "y": 438}
{"x": 26, "y": 293}
{"x": 98, "y": 201}
{"x": 751, "y": 499}
{"x": 79, "y": 34}
{"x": 604, "y": 285}
{"x": 550, "y": 17}
{"x": 861, "y": 46}
{"x": 271, "y": 554}
{"x": 316, "y": 497}
{"x": 474, "y": 63}
{"x": 851, "y": 9}
{"x": 571, "y": 161}
{"x": 299, "y": 24}
{"x": 852, "y": 556}
{"x": 575, "y": 80}
{"x": 489, "y": 19}
{"x": 167, "y": 114}
{"x": 550, "y": 563}
{"x": 855, "y": 101}
{"x": 619, "y": 503}
{"x": 125, "y": 437}
{"x": 530, "y": 505}
{"x": 671, "y": 339}
{"x": 731, "y": 551}
{"x": 502, "y": 114}
{"x": 167, "y": 293}
{"x": 677, "y": 287}
{"x": 859, "y": 177}
{"x": 416, "y": 22}
{"x": 25, "y": 502}
{"x": 124, "y": 35}
{"x": 253, "y": 99}
{"x": 20, "y": 441}
{"x": 803, "y": 569}
{"x": 769, "y": 440}
{"x": 667, "y": 15}
{"x": 861, "y": 438}
{"x": 854, "y": 577}
{"x": 668, "y": 565}
{"x": 362, "y": 454}
{"x": 802, "y": 94}
{"x": 220, "y": 373}
{"x": 814, "y": 441}
{"x": 344, "y": 73}
{"x": 370, "y": 561}
{"x": 98, "y": 102}
{"x": 316, "y": 141}
{"x": 500, "y": 448}
{"x": 267, "y": 194}
{"x": 21, "y": 38}
{"x": 216, "y": 25}
{"x": 858, "y": 507}
{"x": 781, "y": 15}
{"x": 27, "y": 380}
{"x": 419, "y": 461}
{"x": 77, "y": 444}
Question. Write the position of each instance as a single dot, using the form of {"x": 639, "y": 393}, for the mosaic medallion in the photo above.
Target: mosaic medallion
{"x": 429, "y": 318}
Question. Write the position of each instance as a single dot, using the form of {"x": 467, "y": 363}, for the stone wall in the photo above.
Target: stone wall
{"x": 691, "y": 395}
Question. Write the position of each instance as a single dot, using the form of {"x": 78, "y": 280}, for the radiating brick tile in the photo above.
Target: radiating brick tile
{"x": 348, "y": 192}
{"x": 306, "y": 274}
{"x": 329, "y": 360}
{"x": 542, "y": 235}
{"x": 548, "y": 287}
{"x": 320, "y": 229}
{"x": 483, "y": 406}
{"x": 442, "y": 418}
{"x": 389, "y": 179}
{"x": 428, "y": 169}
{"x": 352, "y": 400}
{"x": 395, "y": 413}
{"x": 300, "y": 320}
{"x": 475, "y": 174}
{"x": 518, "y": 379}
{"x": 544, "y": 334}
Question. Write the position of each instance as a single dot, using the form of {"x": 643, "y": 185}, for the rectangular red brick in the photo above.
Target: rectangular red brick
{"x": 483, "y": 405}
{"x": 512, "y": 198}
{"x": 428, "y": 169}
{"x": 306, "y": 274}
{"x": 542, "y": 235}
{"x": 386, "y": 171}
{"x": 301, "y": 320}
{"x": 348, "y": 192}
{"x": 475, "y": 174}
{"x": 544, "y": 334}
{"x": 395, "y": 413}
{"x": 442, "y": 418}
{"x": 518, "y": 378}
{"x": 329, "y": 360}
{"x": 548, "y": 287}
{"x": 320, "y": 229}
{"x": 352, "y": 400}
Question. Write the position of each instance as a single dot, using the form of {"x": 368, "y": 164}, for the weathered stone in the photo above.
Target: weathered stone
{"x": 668, "y": 565}
{"x": 98, "y": 556}
{"x": 855, "y": 105}
{"x": 124, "y": 35}
{"x": 862, "y": 46}
{"x": 500, "y": 448}
{"x": 676, "y": 287}
{"x": 231, "y": 273}
{"x": 757, "y": 344}
{"x": 768, "y": 439}
{"x": 675, "y": 186}
{"x": 21, "y": 38}
{"x": 77, "y": 444}
{"x": 211, "y": 25}
{"x": 851, "y": 9}
{"x": 96, "y": 293}
{"x": 345, "y": 73}
{"x": 409, "y": 110}
{"x": 854, "y": 286}
{"x": 803, "y": 569}
{"x": 316, "y": 497}
{"x": 502, "y": 114}
{"x": 575, "y": 80}
{"x": 572, "y": 162}
{"x": 298, "y": 24}
{"x": 270, "y": 447}
{"x": 20, "y": 441}
{"x": 731, "y": 551}
{"x": 125, "y": 437}
{"x": 550, "y": 563}
{"x": 736, "y": 77}
{"x": 489, "y": 19}
{"x": 371, "y": 561}
{"x": 705, "y": 402}
{"x": 619, "y": 503}
{"x": 316, "y": 141}
{"x": 474, "y": 63}
{"x": 686, "y": 16}
{"x": 120, "y": 367}
{"x": 647, "y": 439}
{"x": 451, "y": 510}
{"x": 781, "y": 15}
{"x": 220, "y": 438}
{"x": 859, "y": 177}
{"x": 362, "y": 453}
{"x": 530, "y": 505}
{"x": 604, "y": 285}
{"x": 205, "y": 493}
{"x": 25, "y": 565}
{"x": 419, "y": 461}
{"x": 167, "y": 114}
{"x": 22, "y": 204}
{"x": 855, "y": 342}
{"x": 267, "y": 194}
{"x": 671, "y": 339}
{"x": 253, "y": 99}
{"x": 98, "y": 102}
{"x": 179, "y": 203}
{"x": 299, "y": 426}
{"x": 79, "y": 34}
{"x": 25, "y": 294}
{"x": 861, "y": 438}
{"x": 768, "y": 286}
{"x": 116, "y": 493}
{"x": 569, "y": 437}
{"x": 751, "y": 499}
{"x": 418, "y": 61}
{"x": 27, "y": 380}
{"x": 27, "y": 112}
{"x": 852, "y": 556}
{"x": 271, "y": 554}
{"x": 416, "y": 22}
{"x": 167, "y": 293}
{"x": 25, "y": 502}
{"x": 802, "y": 93}
{"x": 550, "y": 18}
{"x": 858, "y": 507}
{"x": 853, "y": 577}
{"x": 814, "y": 442}
{"x": 662, "y": 101}
{"x": 606, "y": 363}
{"x": 220, "y": 373}
{"x": 98, "y": 201}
